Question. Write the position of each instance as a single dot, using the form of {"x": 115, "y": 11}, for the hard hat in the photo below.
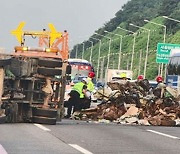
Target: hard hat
{"x": 123, "y": 75}
{"x": 84, "y": 79}
{"x": 159, "y": 79}
{"x": 91, "y": 74}
{"x": 140, "y": 77}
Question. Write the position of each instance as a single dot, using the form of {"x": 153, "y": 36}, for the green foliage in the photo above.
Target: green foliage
{"x": 167, "y": 7}
{"x": 135, "y": 11}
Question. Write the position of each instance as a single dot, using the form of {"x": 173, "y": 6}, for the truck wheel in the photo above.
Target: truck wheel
{"x": 2, "y": 120}
{"x": 68, "y": 78}
{"x": 4, "y": 62}
{"x": 49, "y": 71}
{"x": 50, "y": 63}
{"x": 50, "y": 113}
{"x": 44, "y": 120}
{"x": 68, "y": 69}
{"x": 11, "y": 112}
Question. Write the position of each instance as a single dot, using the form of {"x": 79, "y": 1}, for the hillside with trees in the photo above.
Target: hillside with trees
{"x": 134, "y": 12}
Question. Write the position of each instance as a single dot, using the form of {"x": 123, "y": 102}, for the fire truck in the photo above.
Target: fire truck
{"x": 33, "y": 79}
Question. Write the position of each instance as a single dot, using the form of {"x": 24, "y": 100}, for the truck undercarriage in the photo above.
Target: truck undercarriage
{"x": 32, "y": 83}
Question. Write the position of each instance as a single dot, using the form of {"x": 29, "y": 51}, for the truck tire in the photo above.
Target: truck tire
{"x": 68, "y": 69}
{"x": 50, "y": 63}
{"x": 4, "y": 62}
{"x": 44, "y": 120}
{"x": 50, "y": 113}
{"x": 11, "y": 112}
{"x": 68, "y": 78}
{"x": 2, "y": 119}
{"x": 49, "y": 71}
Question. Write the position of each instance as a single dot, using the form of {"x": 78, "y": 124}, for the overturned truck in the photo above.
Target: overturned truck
{"x": 33, "y": 80}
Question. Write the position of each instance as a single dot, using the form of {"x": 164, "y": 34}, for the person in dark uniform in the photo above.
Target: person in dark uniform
{"x": 76, "y": 95}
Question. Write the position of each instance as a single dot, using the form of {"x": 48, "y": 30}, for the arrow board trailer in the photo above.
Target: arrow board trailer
{"x": 33, "y": 80}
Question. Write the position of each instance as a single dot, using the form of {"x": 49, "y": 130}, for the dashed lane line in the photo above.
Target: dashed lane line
{"x": 163, "y": 134}
{"x": 77, "y": 147}
{"x": 42, "y": 127}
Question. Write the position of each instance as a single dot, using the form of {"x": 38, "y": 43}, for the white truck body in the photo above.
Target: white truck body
{"x": 115, "y": 73}
{"x": 174, "y": 51}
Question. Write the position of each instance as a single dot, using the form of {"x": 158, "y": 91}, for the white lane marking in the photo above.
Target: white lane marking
{"x": 42, "y": 127}
{"x": 159, "y": 133}
{"x": 2, "y": 150}
{"x": 77, "y": 147}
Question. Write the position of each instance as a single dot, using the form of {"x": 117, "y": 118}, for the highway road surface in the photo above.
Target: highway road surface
{"x": 77, "y": 137}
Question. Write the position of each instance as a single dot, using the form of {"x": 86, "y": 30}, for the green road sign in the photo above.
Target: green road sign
{"x": 164, "y": 51}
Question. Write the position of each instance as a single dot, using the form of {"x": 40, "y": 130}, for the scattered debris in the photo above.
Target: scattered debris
{"x": 125, "y": 102}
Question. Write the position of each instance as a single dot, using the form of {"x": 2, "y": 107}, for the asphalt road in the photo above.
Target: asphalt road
{"x": 76, "y": 137}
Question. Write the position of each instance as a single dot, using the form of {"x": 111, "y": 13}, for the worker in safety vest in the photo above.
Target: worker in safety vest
{"x": 77, "y": 93}
{"x": 160, "y": 86}
{"x": 90, "y": 84}
{"x": 86, "y": 101}
{"x": 160, "y": 83}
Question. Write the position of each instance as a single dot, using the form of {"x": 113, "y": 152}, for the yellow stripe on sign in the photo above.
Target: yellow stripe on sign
{"x": 54, "y": 34}
{"x": 18, "y": 32}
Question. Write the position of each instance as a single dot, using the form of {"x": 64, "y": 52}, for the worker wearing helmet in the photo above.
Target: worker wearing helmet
{"x": 160, "y": 83}
{"x": 90, "y": 84}
{"x": 123, "y": 76}
{"x": 91, "y": 74}
{"x": 142, "y": 85}
{"x": 140, "y": 77}
{"x": 86, "y": 102}
{"x": 77, "y": 93}
{"x": 160, "y": 89}
{"x": 159, "y": 79}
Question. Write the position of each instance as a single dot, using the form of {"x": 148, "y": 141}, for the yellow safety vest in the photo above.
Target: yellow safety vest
{"x": 90, "y": 85}
{"x": 79, "y": 87}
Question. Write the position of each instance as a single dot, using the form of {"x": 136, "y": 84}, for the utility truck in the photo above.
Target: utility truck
{"x": 33, "y": 79}
{"x": 173, "y": 69}
{"x": 115, "y": 74}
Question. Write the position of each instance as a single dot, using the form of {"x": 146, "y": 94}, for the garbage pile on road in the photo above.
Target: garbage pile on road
{"x": 126, "y": 102}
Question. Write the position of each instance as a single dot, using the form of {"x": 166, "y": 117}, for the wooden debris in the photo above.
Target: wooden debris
{"x": 136, "y": 103}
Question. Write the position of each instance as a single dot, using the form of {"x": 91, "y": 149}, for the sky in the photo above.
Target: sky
{"x": 79, "y": 17}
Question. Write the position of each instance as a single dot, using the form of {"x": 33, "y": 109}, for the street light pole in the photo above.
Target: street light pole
{"x": 132, "y": 57}
{"x": 159, "y": 25}
{"x": 120, "y": 47}
{"x": 140, "y": 59}
{"x": 102, "y": 68}
{"x": 90, "y": 58}
{"x": 134, "y": 40}
{"x": 171, "y": 19}
{"x": 83, "y": 50}
{"x": 99, "y": 53}
{"x": 109, "y": 48}
{"x": 69, "y": 56}
{"x": 147, "y": 47}
{"x": 76, "y": 50}
{"x": 163, "y": 40}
